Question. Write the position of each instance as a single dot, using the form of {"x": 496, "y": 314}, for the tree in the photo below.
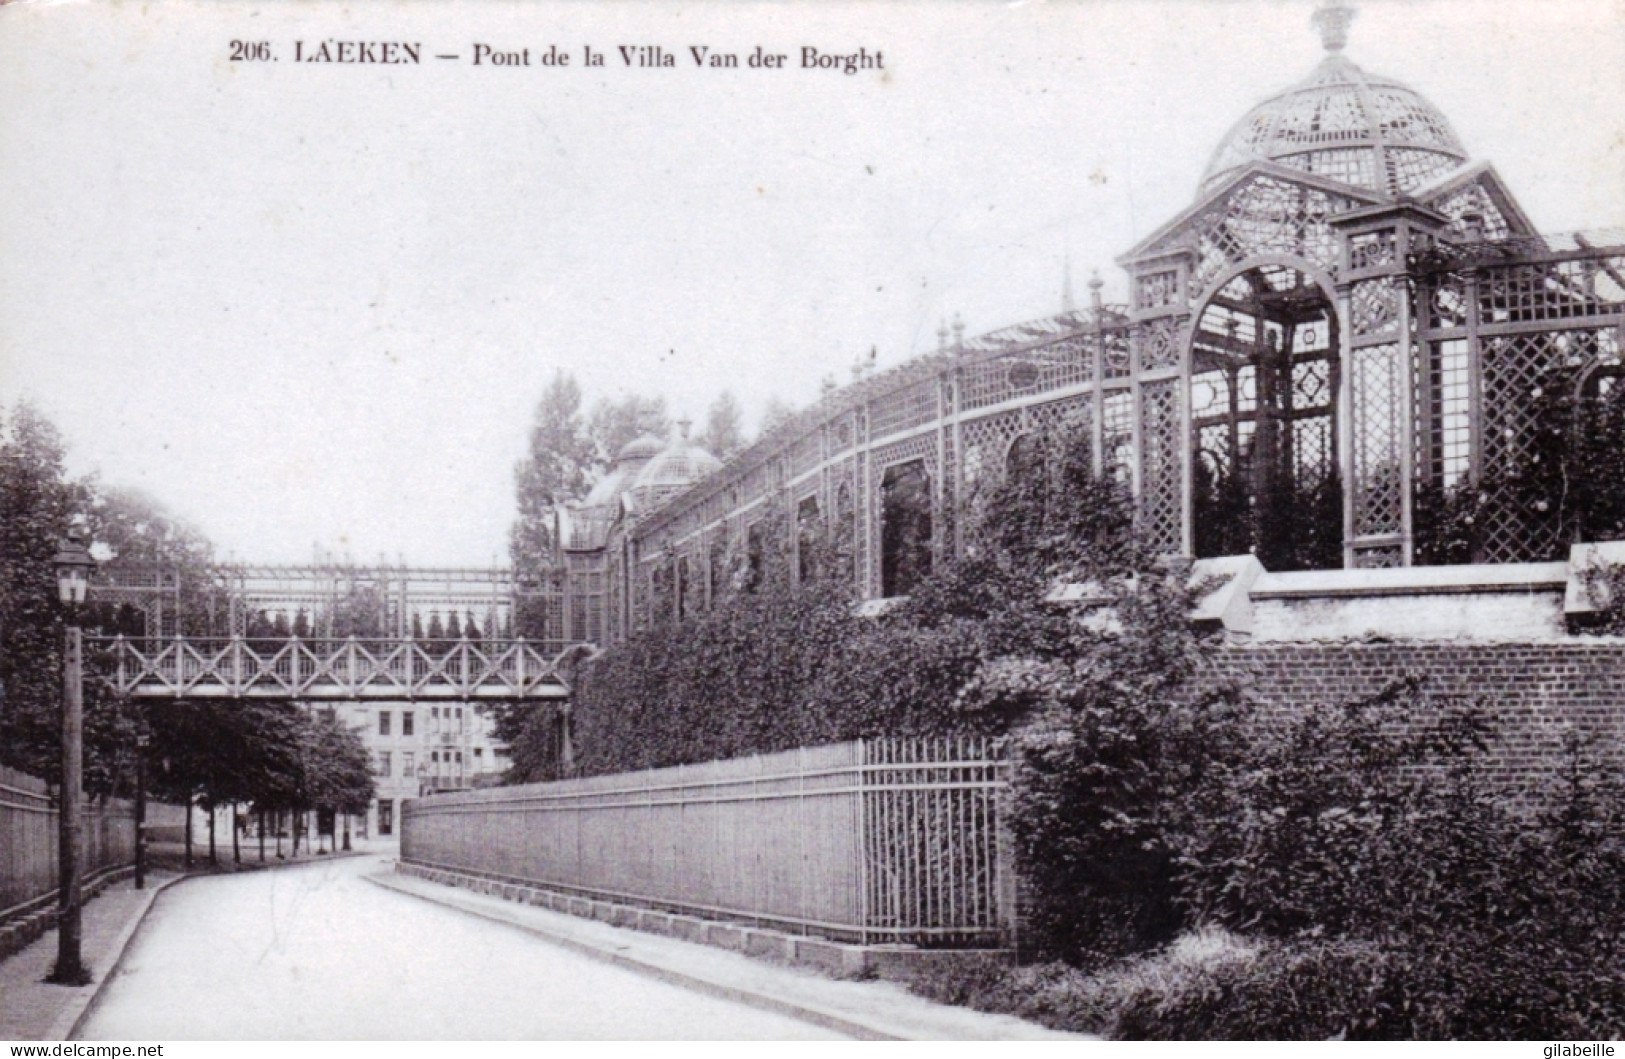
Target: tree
{"x": 557, "y": 467}
{"x": 36, "y": 502}
{"x": 724, "y": 432}
{"x": 615, "y": 423}
{"x": 774, "y": 412}
{"x": 135, "y": 528}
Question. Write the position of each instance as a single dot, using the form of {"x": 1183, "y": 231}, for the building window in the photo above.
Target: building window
{"x": 383, "y": 722}
{"x": 386, "y": 817}
{"x": 905, "y": 528}
{"x": 406, "y": 722}
{"x": 384, "y": 763}
{"x": 409, "y": 764}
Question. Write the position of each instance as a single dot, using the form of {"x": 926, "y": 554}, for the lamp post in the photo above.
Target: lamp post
{"x": 73, "y": 565}
{"x": 141, "y": 807}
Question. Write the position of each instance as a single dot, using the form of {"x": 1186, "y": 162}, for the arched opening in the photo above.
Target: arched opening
{"x": 905, "y": 527}
{"x": 808, "y": 534}
{"x": 1025, "y": 458}
{"x": 1264, "y": 379}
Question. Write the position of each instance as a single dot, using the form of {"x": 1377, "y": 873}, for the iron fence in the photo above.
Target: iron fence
{"x": 28, "y": 840}
{"x": 876, "y": 841}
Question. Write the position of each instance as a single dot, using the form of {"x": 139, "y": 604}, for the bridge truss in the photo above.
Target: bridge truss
{"x": 332, "y": 670}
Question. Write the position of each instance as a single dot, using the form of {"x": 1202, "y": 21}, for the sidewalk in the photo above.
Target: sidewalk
{"x": 31, "y": 1009}
{"x": 866, "y": 1009}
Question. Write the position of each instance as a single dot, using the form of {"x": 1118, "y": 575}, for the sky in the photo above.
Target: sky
{"x": 313, "y": 305}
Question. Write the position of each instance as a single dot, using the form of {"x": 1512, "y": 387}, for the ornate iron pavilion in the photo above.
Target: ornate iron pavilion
{"x": 1348, "y": 330}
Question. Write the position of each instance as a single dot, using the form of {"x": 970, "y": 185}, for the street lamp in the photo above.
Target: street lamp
{"x": 73, "y": 565}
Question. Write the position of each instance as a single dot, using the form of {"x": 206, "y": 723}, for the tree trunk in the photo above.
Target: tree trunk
{"x": 278, "y": 826}
{"x": 212, "y": 814}
{"x": 236, "y": 847}
{"x": 188, "y": 860}
{"x": 262, "y": 836}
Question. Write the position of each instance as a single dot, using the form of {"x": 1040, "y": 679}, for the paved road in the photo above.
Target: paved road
{"x": 318, "y": 953}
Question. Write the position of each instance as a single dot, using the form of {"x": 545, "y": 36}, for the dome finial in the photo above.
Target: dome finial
{"x": 1332, "y": 19}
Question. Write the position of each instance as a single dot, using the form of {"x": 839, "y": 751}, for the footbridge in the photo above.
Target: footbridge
{"x": 337, "y": 670}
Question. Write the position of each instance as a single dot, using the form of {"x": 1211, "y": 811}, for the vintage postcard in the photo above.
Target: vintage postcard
{"x": 401, "y": 362}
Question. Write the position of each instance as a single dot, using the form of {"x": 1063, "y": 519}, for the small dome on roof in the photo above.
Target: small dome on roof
{"x": 642, "y": 447}
{"x": 1343, "y": 123}
{"x": 679, "y": 464}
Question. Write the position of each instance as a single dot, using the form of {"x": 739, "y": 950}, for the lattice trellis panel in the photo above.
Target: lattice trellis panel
{"x": 1371, "y": 250}
{"x": 1473, "y": 198}
{"x": 1447, "y": 397}
{"x": 1074, "y": 412}
{"x": 1516, "y": 370}
{"x": 1161, "y": 342}
{"x": 806, "y": 454}
{"x": 1543, "y": 291}
{"x": 1384, "y": 556}
{"x": 1061, "y": 364}
{"x": 1268, "y": 216}
{"x": 1117, "y": 425}
{"x": 1378, "y": 435}
{"x": 946, "y": 499}
{"x": 1350, "y": 165}
{"x": 1374, "y": 307}
{"x": 1411, "y": 168}
{"x": 1157, "y": 289}
{"x": 903, "y": 409}
{"x": 1161, "y": 496}
{"x": 986, "y": 440}
{"x": 1312, "y": 449}
{"x": 1115, "y": 353}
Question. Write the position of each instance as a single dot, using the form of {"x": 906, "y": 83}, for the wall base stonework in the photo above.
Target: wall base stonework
{"x": 893, "y": 962}
{"x": 27, "y": 924}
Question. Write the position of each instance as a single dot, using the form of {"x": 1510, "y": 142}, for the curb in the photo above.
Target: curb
{"x": 762, "y": 1001}
{"x": 78, "y": 1008}
{"x": 68, "y": 1020}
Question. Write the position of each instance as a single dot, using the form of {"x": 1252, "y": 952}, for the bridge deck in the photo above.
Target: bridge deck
{"x": 295, "y": 668}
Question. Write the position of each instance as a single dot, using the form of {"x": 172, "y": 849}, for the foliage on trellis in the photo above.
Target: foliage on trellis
{"x": 786, "y": 662}
{"x": 1563, "y": 483}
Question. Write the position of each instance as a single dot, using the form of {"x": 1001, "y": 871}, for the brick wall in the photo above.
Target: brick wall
{"x": 1535, "y": 692}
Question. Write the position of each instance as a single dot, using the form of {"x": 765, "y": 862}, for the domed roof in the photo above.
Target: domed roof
{"x": 680, "y": 464}
{"x": 1346, "y": 124}
{"x": 629, "y": 463}
{"x": 643, "y": 447}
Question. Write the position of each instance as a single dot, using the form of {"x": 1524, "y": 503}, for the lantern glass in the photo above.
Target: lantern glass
{"x": 73, "y": 563}
{"x": 70, "y": 584}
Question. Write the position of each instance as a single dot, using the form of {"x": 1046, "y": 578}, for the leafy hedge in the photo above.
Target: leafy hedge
{"x": 786, "y": 663}
{"x": 1361, "y": 878}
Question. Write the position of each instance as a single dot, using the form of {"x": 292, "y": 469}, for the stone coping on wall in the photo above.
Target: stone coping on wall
{"x": 1484, "y": 603}
{"x": 843, "y": 959}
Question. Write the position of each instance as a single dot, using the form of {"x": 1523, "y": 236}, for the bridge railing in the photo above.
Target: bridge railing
{"x": 893, "y": 840}
{"x": 332, "y": 669}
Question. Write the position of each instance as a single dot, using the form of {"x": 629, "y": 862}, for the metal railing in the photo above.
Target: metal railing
{"x": 869, "y": 841}
{"x": 330, "y": 669}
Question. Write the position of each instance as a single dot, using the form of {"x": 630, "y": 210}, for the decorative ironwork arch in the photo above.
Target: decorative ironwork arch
{"x": 1264, "y": 370}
